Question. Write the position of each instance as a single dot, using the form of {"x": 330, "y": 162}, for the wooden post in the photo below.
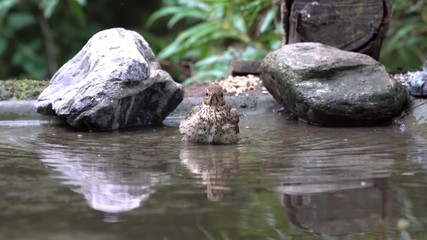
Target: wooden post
{"x": 358, "y": 26}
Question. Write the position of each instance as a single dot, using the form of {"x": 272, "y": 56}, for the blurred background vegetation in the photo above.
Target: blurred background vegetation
{"x": 195, "y": 40}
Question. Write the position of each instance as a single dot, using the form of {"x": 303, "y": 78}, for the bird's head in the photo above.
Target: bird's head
{"x": 214, "y": 96}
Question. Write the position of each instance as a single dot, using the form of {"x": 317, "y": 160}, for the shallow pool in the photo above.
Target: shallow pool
{"x": 285, "y": 180}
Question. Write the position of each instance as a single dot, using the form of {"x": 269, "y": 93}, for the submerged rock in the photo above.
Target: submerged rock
{"x": 327, "y": 86}
{"x": 416, "y": 119}
{"x": 114, "y": 82}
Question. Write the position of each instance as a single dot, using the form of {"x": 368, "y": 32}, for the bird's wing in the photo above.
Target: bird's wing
{"x": 235, "y": 119}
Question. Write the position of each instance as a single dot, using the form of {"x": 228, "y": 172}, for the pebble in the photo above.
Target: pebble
{"x": 402, "y": 224}
{"x": 405, "y": 78}
{"x": 239, "y": 85}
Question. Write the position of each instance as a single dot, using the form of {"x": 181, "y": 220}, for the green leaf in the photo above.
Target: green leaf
{"x": 204, "y": 76}
{"x": 191, "y": 38}
{"x": 170, "y": 50}
{"x": 209, "y": 61}
{"x": 268, "y": 20}
{"x": 49, "y": 7}
{"x": 252, "y": 16}
{"x": 217, "y": 1}
{"x": 81, "y": 2}
{"x": 20, "y": 20}
{"x": 200, "y": 33}
{"x": 27, "y": 57}
{"x": 76, "y": 6}
{"x": 3, "y": 45}
{"x": 239, "y": 23}
{"x": 5, "y": 5}
{"x": 186, "y": 13}
{"x": 162, "y": 13}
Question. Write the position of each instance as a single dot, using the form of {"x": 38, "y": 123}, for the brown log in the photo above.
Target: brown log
{"x": 243, "y": 68}
{"x": 352, "y": 25}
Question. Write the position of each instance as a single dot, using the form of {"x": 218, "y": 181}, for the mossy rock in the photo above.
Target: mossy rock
{"x": 327, "y": 86}
{"x": 21, "y": 89}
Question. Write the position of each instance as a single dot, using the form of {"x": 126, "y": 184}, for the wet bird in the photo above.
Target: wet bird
{"x": 212, "y": 122}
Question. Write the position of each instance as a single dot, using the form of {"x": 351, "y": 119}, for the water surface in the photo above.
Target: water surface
{"x": 285, "y": 180}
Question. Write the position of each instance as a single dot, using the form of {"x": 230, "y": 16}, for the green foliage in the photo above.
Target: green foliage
{"x": 406, "y": 45}
{"x": 218, "y": 31}
{"x": 25, "y": 34}
{"x": 38, "y": 36}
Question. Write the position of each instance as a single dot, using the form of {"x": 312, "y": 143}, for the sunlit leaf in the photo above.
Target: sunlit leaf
{"x": 170, "y": 50}
{"x": 252, "y": 16}
{"x": 201, "y": 32}
{"x": 213, "y": 59}
{"x": 49, "y": 7}
{"x": 267, "y": 20}
{"x": 216, "y": 1}
{"x": 5, "y": 5}
{"x": 163, "y": 12}
{"x": 186, "y": 13}
{"x": 239, "y": 24}
{"x": 81, "y": 2}
{"x": 190, "y": 38}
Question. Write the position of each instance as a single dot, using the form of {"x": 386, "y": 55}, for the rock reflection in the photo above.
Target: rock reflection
{"x": 213, "y": 165}
{"x": 338, "y": 208}
{"x": 330, "y": 192}
{"x": 418, "y": 152}
{"x": 113, "y": 173}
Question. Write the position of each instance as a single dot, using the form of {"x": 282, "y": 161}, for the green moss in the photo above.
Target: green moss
{"x": 21, "y": 89}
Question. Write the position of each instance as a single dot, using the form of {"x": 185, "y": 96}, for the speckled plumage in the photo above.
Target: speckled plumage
{"x": 212, "y": 122}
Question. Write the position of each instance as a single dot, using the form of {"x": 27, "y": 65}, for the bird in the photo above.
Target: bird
{"x": 213, "y": 121}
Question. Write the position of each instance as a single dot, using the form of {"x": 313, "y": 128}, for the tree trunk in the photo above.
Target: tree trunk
{"x": 352, "y": 25}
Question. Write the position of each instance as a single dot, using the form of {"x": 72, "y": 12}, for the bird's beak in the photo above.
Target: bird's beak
{"x": 211, "y": 99}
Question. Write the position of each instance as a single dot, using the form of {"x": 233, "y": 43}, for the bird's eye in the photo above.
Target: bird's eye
{"x": 207, "y": 94}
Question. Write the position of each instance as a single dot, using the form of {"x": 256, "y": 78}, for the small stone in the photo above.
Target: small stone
{"x": 238, "y": 85}
{"x": 402, "y": 224}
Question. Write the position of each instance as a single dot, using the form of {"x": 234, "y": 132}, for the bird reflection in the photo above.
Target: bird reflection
{"x": 213, "y": 165}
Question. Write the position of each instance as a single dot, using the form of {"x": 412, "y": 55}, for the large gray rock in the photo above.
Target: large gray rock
{"x": 114, "y": 82}
{"x": 327, "y": 86}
